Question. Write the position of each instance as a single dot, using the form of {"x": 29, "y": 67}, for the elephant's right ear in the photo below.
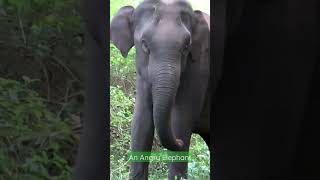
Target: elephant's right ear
{"x": 121, "y": 32}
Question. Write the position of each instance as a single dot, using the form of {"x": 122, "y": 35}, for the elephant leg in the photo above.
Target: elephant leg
{"x": 142, "y": 129}
{"x": 182, "y": 126}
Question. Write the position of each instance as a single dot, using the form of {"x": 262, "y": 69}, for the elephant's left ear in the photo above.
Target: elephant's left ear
{"x": 200, "y": 36}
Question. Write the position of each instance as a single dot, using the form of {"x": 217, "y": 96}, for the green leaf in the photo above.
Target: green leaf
{"x": 50, "y": 19}
{"x": 8, "y": 132}
{"x": 19, "y": 4}
{"x": 2, "y": 2}
{"x": 39, "y": 2}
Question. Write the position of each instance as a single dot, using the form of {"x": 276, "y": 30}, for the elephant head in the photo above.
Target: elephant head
{"x": 166, "y": 34}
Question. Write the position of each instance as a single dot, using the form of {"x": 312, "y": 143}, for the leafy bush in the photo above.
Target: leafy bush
{"x": 48, "y": 37}
{"x": 121, "y": 114}
{"x": 122, "y": 70}
{"x": 199, "y": 168}
{"x": 42, "y": 39}
{"x": 34, "y": 141}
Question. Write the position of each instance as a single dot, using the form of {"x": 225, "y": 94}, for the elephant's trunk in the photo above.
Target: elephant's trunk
{"x": 164, "y": 90}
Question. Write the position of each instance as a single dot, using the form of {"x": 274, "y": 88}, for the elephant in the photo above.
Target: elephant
{"x": 172, "y": 76}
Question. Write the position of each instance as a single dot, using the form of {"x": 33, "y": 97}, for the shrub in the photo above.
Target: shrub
{"x": 35, "y": 142}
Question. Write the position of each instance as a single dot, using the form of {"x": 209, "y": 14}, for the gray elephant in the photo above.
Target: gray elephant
{"x": 173, "y": 70}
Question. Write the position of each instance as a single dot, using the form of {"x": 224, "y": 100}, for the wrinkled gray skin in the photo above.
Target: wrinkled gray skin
{"x": 172, "y": 62}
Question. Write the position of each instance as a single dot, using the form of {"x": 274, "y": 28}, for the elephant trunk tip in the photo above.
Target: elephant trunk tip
{"x": 179, "y": 142}
{"x": 176, "y": 146}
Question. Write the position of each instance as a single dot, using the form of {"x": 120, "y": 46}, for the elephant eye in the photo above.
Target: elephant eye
{"x": 144, "y": 46}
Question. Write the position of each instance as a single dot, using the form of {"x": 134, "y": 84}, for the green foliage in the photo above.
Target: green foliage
{"x": 46, "y": 34}
{"x": 121, "y": 114}
{"x": 34, "y": 141}
{"x": 199, "y": 168}
{"x": 122, "y": 70}
{"x": 43, "y": 19}
{"x": 122, "y": 90}
{"x": 42, "y": 39}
